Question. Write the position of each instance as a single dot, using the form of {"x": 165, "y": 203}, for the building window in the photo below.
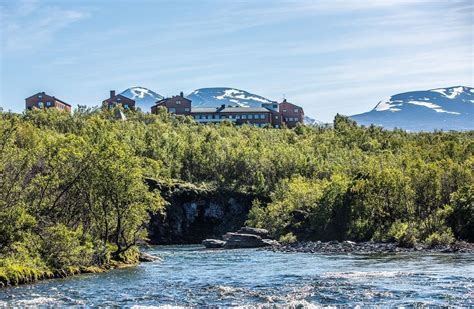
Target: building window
{"x": 275, "y": 106}
{"x": 125, "y": 106}
{"x": 40, "y": 104}
{"x": 186, "y": 109}
{"x": 284, "y": 110}
{"x": 48, "y": 104}
{"x": 250, "y": 116}
{"x": 118, "y": 99}
{"x": 172, "y": 110}
{"x": 262, "y": 116}
{"x": 237, "y": 116}
{"x": 277, "y": 126}
{"x": 295, "y": 110}
{"x": 244, "y": 116}
{"x": 178, "y": 102}
{"x": 276, "y": 116}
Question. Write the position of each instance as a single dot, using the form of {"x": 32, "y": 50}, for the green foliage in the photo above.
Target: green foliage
{"x": 63, "y": 247}
{"x": 405, "y": 234}
{"x": 73, "y": 195}
{"x": 444, "y": 238}
{"x": 462, "y": 216}
{"x": 288, "y": 238}
{"x": 73, "y": 192}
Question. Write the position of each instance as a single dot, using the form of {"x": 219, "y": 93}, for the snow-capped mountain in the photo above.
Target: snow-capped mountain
{"x": 436, "y": 109}
{"x": 144, "y": 98}
{"x": 215, "y": 97}
{"x": 312, "y": 122}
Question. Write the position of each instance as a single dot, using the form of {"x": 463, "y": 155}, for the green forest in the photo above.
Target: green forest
{"x": 74, "y": 199}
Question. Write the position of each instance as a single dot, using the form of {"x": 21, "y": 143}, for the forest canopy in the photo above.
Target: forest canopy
{"x": 73, "y": 190}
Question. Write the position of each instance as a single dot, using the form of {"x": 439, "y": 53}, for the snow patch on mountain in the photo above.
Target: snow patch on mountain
{"x": 144, "y": 97}
{"x": 441, "y": 108}
{"x": 450, "y": 93}
{"x": 215, "y": 97}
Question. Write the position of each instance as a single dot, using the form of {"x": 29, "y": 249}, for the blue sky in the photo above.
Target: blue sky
{"x": 327, "y": 56}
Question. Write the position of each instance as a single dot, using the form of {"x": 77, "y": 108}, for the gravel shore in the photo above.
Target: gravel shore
{"x": 343, "y": 247}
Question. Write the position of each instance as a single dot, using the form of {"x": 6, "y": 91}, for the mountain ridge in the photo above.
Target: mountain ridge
{"x": 450, "y": 108}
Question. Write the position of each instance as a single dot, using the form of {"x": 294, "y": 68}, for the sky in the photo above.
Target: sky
{"x": 328, "y": 56}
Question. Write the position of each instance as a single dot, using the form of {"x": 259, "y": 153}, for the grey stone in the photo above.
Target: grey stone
{"x": 146, "y": 257}
{"x": 213, "y": 243}
{"x": 238, "y": 240}
{"x": 254, "y": 231}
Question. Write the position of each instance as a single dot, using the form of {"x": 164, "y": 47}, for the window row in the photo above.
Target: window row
{"x": 292, "y": 119}
{"x": 41, "y": 104}
{"x": 251, "y": 116}
{"x": 296, "y": 110}
{"x": 173, "y": 109}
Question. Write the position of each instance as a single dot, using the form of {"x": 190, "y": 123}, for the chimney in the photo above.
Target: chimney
{"x": 112, "y": 93}
{"x": 181, "y": 94}
{"x": 221, "y": 108}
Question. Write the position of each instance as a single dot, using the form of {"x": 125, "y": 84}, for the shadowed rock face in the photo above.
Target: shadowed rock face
{"x": 194, "y": 214}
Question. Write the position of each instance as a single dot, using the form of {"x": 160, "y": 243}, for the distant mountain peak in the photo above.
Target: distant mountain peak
{"x": 450, "y": 108}
{"x": 452, "y": 92}
{"x": 215, "y": 97}
{"x": 144, "y": 97}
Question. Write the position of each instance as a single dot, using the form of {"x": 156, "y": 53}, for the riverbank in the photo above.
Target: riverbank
{"x": 344, "y": 247}
{"x": 18, "y": 274}
{"x": 14, "y": 273}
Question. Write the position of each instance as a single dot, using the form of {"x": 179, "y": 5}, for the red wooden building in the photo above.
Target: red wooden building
{"x": 42, "y": 100}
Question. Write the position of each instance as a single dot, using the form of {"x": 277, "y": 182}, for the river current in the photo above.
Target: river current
{"x": 194, "y": 276}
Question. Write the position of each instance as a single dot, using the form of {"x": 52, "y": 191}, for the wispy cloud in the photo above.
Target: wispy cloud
{"x": 28, "y": 25}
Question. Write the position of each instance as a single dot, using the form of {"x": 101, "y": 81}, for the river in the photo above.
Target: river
{"x": 193, "y": 276}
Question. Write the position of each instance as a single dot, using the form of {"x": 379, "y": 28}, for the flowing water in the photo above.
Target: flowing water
{"x": 193, "y": 276}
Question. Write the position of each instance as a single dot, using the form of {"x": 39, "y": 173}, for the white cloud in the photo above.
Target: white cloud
{"x": 29, "y": 25}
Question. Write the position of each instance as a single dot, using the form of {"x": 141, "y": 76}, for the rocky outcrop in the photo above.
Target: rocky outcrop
{"x": 146, "y": 257}
{"x": 254, "y": 231}
{"x": 213, "y": 243}
{"x": 245, "y": 237}
{"x": 194, "y": 213}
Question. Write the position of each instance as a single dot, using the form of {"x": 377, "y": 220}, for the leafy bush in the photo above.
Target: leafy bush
{"x": 288, "y": 238}
{"x": 63, "y": 247}
{"x": 403, "y": 233}
{"x": 440, "y": 238}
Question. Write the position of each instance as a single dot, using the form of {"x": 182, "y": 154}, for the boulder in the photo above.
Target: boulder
{"x": 238, "y": 240}
{"x": 213, "y": 243}
{"x": 263, "y": 233}
{"x": 146, "y": 257}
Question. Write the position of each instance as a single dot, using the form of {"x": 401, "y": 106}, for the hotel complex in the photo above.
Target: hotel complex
{"x": 268, "y": 114}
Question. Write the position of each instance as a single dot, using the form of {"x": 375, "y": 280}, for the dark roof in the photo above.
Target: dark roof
{"x": 229, "y": 110}
{"x": 285, "y": 101}
{"x": 43, "y": 93}
{"x": 166, "y": 99}
{"x": 203, "y": 110}
{"x": 245, "y": 110}
{"x": 118, "y": 95}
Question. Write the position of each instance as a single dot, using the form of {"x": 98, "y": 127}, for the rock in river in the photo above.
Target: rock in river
{"x": 254, "y": 231}
{"x": 213, "y": 243}
{"x": 238, "y": 240}
{"x": 145, "y": 257}
{"x": 245, "y": 237}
